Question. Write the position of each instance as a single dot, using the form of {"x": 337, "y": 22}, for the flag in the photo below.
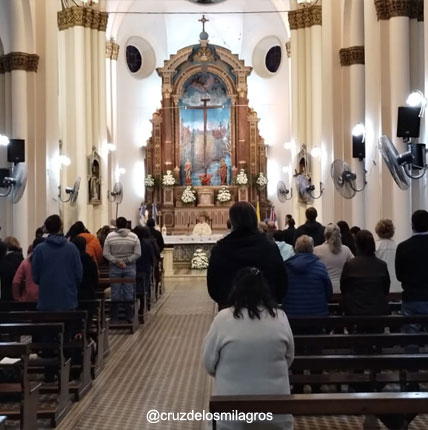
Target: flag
{"x": 155, "y": 212}
{"x": 258, "y": 211}
{"x": 142, "y": 213}
{"x": 273, "y": 216}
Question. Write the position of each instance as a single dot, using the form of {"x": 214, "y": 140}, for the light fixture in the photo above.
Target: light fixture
{"x": 111, "y": 147}
{"x": 120, "y": 171}
{"x": 288, "y": 146}
{"x": 286, "y": 169}
{"x": 359, "y": 130}
{"x": 358, "y": 139}
{"x": 416, "y": 98}
{"x": 64, "y": 160}
{"x": 4, "y": 140}
{"x": 316, "y": 152}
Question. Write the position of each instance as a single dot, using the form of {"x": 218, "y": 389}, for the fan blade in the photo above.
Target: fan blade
{"x": 391, "y": 158}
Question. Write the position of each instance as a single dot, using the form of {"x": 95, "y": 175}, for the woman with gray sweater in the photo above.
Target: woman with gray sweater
{"x": 250, "y": 347}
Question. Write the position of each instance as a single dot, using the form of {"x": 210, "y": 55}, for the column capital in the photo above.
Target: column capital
{"x": 305, "y": 17}
{"x": 352, "y": 55}
{"x": 112, "y": 50}
{"x": 288, "y": 48}
{"x": 18, "y": 61}
{"x": 387, "y": 9}
{"x": 82, "y": 16}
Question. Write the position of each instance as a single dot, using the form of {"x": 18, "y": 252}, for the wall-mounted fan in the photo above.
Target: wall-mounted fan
{"x": 72, "y": 192}
{"x": 345, "y": 180}
{"x": 282, "y": 192}
{"x": 15, "y": 183}
{"x": 306, "y": 189}
{"x": 395, "y": 161}
{"x": 116, "y": 195}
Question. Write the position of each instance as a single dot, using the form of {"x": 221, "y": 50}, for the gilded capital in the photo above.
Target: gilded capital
{"x": 387, "y": 9}
{"x": 352, "y": 55}
{"x": 19, "y": 61}
{"x": 112, "y": 50}
{"x": 288, "y": 49}
{"x": 82, "y": 16}
{"x": 305, "y": 17}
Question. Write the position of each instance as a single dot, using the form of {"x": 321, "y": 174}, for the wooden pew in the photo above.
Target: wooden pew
{"x": 74, "y": 322}
{"x": 54, "y": 346}
{"x": 396, "y": 410}
{"x": 27, "y": 413}
{"x": 392, "y": 297}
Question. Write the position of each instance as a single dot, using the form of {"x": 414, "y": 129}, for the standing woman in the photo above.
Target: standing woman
{"x": 9, "y": 266}
{"x": 348, "y": 238}
{"x": 333, "y": 254}
{"x": 250, "y": 347}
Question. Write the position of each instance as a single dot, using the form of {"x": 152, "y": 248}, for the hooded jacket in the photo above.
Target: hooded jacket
{"x": 241, "y": 249}
{"x": 309, "y": 286}
{"x": 122, "y": 245}
{"x": 57, "y": 270}
{"x": 30, "y": 292}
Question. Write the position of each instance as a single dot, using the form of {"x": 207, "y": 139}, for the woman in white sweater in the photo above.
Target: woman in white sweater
{"x": 250, "y": 347}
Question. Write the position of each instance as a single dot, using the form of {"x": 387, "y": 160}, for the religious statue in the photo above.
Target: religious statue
{"x": 205, "y": 179}
{"x": 202, "y": 227}
{"x": 94, "y": 183}
{"x": 188, "y": 172}
{"x": 223, "y": 172}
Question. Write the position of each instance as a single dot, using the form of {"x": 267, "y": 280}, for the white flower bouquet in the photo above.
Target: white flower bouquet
{"x": 242, "y": 178}
{"x": 261, "y": 180}
{"x": 224, "y": 195}
{"x": 168, "y": 179}
{"x": 189, "y": 195}
{"x": 149, "y": 181}
{"x": 199, "y": 260}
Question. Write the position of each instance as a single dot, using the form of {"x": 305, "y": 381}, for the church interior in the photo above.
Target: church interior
{"x": 179, "y": 109}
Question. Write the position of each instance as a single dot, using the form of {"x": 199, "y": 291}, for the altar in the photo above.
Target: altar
{"x": 179, "y": 250}
{"x": 205, "y": 152}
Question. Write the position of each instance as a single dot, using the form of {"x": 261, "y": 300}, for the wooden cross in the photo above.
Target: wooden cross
{"x": 203, "y": 20}
{"x": 205, "y": 107}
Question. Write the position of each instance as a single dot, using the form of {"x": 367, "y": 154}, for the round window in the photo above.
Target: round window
{"x": 273, "y": 59}
{"x": 133, "y": 58}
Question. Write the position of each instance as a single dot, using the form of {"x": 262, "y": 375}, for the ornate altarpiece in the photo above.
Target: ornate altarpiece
{"x": 205, "y": 127}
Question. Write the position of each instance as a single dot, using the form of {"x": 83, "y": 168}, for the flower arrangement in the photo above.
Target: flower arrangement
{"x": 168, "y": 179}
{"x": 224, "y": 195}
{"x": 242, "y": 178}
{"x": 199, "y": 260}
{"x": 149, "y": 181}
{"x": 261, "y": 180}
{"x": 189, "y": 195}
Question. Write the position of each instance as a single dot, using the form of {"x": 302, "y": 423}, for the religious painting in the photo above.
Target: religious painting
{"x": 205, "y": 149}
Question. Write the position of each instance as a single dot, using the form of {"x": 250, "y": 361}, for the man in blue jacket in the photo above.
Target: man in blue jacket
{"x": 57, "y": 269}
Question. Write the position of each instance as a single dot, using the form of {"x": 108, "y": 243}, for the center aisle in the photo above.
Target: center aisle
{"x": 159, "y": 367}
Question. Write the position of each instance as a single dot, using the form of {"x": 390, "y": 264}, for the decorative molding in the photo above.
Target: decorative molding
{"x": 387, "y": 9}
{"x": 288, "y": 49}
{"x": 112, "y": 50}
{"x": 305, "y": 17}
{"x": 352, "y": 55}
{"x": 18, "y": 61}
{"x": 83, "y": 17}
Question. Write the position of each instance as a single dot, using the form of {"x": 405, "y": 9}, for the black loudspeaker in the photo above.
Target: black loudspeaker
{"x": 4, "y": 173}
{"x": 408, "y": 121}
{"x": 16, "y": 151}
{"x": 358, "y": 147}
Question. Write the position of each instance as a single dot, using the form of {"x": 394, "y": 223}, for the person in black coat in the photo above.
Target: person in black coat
{"x": 311, "y": 227}
{"x": 88, "y": 286}
{"x": 8, "y": 266}
{"x": 347, "y": 237}
{"x": 289, "y": 234}
{"x": 144, "y": 265}
{"x": 244, "y": 246}
{"x": 365, "y": 281}
{"x": 156, "y": 234}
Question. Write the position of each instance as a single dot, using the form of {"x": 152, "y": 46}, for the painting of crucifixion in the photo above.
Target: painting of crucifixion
{"x": 205, "y": 131}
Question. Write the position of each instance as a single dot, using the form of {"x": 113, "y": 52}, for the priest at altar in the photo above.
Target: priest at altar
{"x": 202, "y": 228}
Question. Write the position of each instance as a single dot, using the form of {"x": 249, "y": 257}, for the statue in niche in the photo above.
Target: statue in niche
{"x": 94, "y": 183}
{"x": 188, "y": 172}
{"x": 223, "y": 172}
{"x": 302, "y": 163}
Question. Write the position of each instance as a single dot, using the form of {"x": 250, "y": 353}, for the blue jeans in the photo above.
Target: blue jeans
{"x": 122, "y": 292}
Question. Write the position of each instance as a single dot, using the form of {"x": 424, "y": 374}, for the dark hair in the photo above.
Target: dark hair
{"x": 277, "y": 235}
{"x": 311, "y": 214}
{"x": 228, "y": 224}
{"x": 39, "y": 232}
{"x": 80, "y": 243}
{"x": 53, "y": 224}
{"x": 37, "y": 241}
{"x": 142, "y": 232}
{"x": 289, "y": 216}
{"x": 420, "y": 221}
{"x": 385, "y": 228}
{"x": 121, "y": 222}
{"x": 291, "y": 222}
{"x": 365, "y": 243}
{"x": 354, "y": 230}
{"x": 150, "y": 223}
{"x": 76, "y": 229}
{"x": 251, "y": 291}
{"x": 243, "y": 216}
{"x": 344, "y": 227}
